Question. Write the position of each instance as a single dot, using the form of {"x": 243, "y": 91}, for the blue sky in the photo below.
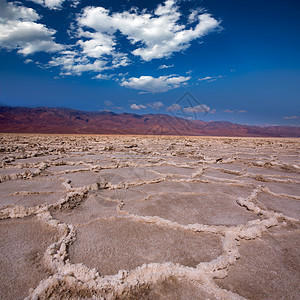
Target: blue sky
{"x": 240, "y": 60}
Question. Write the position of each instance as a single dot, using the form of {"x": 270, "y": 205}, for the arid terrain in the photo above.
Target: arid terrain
{"x": 149, "y": 217}
{"x": 45, "y": 120}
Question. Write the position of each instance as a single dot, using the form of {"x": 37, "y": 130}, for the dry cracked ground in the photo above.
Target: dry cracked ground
{"x": 127, "y": 217}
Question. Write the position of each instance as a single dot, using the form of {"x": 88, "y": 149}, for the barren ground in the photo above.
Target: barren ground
{"x": 157, "y": 217}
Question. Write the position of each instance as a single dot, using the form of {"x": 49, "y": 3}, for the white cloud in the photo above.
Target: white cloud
{"x": 201, "y": 108}
{"x": 195, "y": 14}
{"x": 156, "y": 104}
{"x": 174, "y": 107}
{"x": 210, "y": 78}
{"x": 55, "y": 4}
{"x": 120, "y": 60}
{"x": 165, "y": 67}
{"x": 103, "y": 76}
{"x": 72, "y": 63}
{"x": 156, "y": 34}
{"x": 155, "y": 85}
{"x": 19, "y": 30}
{"x": 137, "y": 106}
{"x": 99, "y": 44}
{"x": 51, "y": 4}
{"x": 153, "y": 34}
{"x": 241, "y": 111}
{"x": 292, "y": 117}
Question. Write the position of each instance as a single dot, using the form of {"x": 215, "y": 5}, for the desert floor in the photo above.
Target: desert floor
{"x": 158, "y": 217}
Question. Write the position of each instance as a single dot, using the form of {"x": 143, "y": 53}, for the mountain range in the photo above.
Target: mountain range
{"x": 71, "y": 121}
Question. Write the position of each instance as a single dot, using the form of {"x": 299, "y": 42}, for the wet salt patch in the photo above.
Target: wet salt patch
{"x": 127, "y": 174}
{"x": 109, "y": 163}
{"x": 83, "y": 157}
{"x": 289, "y": 159}
{"x": 16, "y": 171}
{"x": 233, "y": 166}
{"x": 22, "y": 246}
{"x": 31, "y": 185}
{"x": 273, "y": 172}
{"x": 175, "y": 288}
{"x": 82, "y": 178}
{"x": 131, "y": 160}
{"x": 181, "y": 160}
{"x": 268, "y": 268}
{"x": 124, "y": 194}
{"x": 210, "y": 209}
{"x": 218, "y": 175}
{"x": 65, "y": 168}
{"x": 38, "y": 159}
{"x": 121, "y": 244}
{"x": 289, "y": 207}
{"x": 30, "y": 199}
{"x": 283, "y": 188}
{"x": 194, "y": 187}
{"x": 90, "y": 209}
{"x": 247, "y": 156}
{"x": 75, "y": 153}
{"x": 125, "y": 155}
{"x": 165, "y": 186}
{"x": 167, "y": 169}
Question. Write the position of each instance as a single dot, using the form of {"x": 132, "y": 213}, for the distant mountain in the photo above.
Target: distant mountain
{"x": 64, "y": 120}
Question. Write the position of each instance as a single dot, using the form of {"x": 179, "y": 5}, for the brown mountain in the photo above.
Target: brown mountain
{"x": 63, "y": 120}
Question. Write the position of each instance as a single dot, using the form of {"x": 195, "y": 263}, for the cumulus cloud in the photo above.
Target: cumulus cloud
{"x": 98, "y": 43}
{"x": 103, "y": 76}
{"x": 155, "y": 85}
{"x": 292, "y": 117}
{"x": 73, "y": 63}
{"x": 156, "y": 35}
{"x": 201, "y": 108}
{"x": 96, "y": 31}
{"x": 156, "y": 104}
{"x": 174, "y": 107}
{"x": 19, "y": 30}
{"x": 51, "y": 4}
{"x": 137, "y": 106}
{"x": 55, "y": 4}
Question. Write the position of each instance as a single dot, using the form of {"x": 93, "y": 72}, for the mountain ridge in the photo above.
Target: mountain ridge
{"x": 72, "y": 121}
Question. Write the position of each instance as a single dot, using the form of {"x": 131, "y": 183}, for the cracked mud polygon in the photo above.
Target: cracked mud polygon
{"x": 156, "y": 217}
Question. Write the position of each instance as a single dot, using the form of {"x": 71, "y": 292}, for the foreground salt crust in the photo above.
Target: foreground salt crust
{"x": 149, "y": 217}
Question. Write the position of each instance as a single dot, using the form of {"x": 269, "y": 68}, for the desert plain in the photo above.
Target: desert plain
{"x": 149, "y": 217}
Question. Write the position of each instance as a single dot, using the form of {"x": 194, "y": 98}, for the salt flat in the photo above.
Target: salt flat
{"x": 149, "y": 217}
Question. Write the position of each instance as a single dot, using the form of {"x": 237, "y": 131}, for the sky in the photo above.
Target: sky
{"x": 212, "y": 60}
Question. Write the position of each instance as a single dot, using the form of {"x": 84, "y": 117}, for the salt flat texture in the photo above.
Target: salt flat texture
{"x": 149, "y": 217}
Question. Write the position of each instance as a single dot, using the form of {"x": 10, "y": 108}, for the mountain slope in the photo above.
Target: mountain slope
{"x": 64, "y": 120}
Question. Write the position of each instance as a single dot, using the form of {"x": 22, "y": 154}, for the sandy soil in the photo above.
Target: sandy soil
{"x": 157, "y": 217}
